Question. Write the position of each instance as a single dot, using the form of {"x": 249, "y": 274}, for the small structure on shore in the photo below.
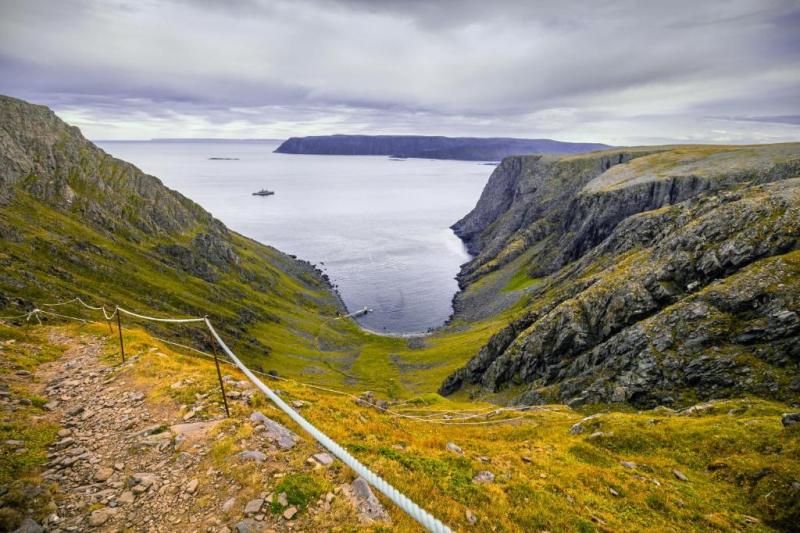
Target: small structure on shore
{"x": 356, "y": 314}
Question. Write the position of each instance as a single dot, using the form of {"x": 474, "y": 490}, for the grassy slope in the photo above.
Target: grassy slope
{"x": 564, "y": 482}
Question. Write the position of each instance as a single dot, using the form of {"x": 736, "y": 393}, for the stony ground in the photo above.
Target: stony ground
{"x": 124, "y": 462}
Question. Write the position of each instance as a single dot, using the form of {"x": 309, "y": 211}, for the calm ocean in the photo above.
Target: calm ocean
{"x": 379, "y": 228}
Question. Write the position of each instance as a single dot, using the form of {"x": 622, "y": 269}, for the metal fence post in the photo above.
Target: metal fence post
{"x": 121, "y": 344}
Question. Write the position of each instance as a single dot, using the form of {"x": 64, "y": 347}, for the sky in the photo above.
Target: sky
{"x": 619, "y": 72}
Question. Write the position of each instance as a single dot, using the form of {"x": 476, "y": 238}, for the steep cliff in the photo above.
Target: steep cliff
{"x": 525, "y": 201}
{"x": 464, "y": 148}
{"x": 665, "y": 274}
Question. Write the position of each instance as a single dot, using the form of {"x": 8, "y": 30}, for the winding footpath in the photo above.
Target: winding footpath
{"x": 123, "y": 462}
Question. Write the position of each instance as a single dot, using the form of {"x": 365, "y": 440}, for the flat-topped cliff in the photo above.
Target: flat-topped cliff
{"x": 430, "y": 147}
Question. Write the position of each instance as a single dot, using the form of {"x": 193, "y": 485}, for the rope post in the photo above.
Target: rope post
{"x": 121, "y": 344}
{"x": 219, "y": 375}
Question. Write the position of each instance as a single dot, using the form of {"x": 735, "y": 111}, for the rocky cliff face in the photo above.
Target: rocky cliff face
{"x": 52, "y": 161}
{"x": 463, "y": 148}
{"x": 668, "y": 274}
{"x": 525, "y": 201}
{"x": 55, "y": 164}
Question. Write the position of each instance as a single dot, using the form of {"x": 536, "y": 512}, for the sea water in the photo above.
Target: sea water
{"x": 380, "y": 228}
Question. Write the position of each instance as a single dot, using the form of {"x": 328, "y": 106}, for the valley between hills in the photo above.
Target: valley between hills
{"x": 637, "y": 308}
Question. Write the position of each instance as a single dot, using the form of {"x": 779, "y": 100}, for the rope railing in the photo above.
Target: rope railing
{"x": 59, "y": 315}
{"x": 401, "y": 500}
{"x": 416, "y": 512}
{"x": 76, "y": 299}
{"x": 454, "y": 421}
{"x": 157, "y": 319}
{"x": 27, "y": 316}
{"x": 84, "y": 304}
{"x": 17, "y": 317}
{"x": 441, "y": 417}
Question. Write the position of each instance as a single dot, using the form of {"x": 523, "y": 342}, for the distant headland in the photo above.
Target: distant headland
{"x": 430, "y": 147}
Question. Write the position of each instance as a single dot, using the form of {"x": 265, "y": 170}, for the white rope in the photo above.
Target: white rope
{"x": 74, "y": 300}
{"x": 156, "y": 319}
{"x": 443, "y": 419}
{"x": 64, "y": 316}
{"x": 466, "y": 415}
{"x": 396, "y": 414}
{"x": 16, "y": 317}
{"x": 118, "y": 309}
{"x": 201, "y": 352}
{"x": 59, "y": 304}
{"x": 412, "y": 509}
{"x": 87, "y": 306}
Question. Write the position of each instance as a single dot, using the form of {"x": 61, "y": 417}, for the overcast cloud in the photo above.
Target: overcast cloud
{"x": 621, "y": 72}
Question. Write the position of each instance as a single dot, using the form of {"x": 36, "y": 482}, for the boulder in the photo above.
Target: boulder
{"x": 483, "y": 476}
{"x": 790, "y": 419}
{"x": 455, "y": 448}
{"x": 367, "y": 505}
{"x": 283, "y": 437}
{"x": 253, "y": 506}
{"x": 100, "y": 516}
{"x": 103, "y": 474}
{"x": 325, "y": 459}
{"x": 29, "y": 525}
{"x": 252, "y": 455}
{"x": 228, "y": 505}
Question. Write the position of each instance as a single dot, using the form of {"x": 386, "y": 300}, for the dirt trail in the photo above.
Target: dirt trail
{"x": 114, "y": 461}
{"x": 126, "y": 462}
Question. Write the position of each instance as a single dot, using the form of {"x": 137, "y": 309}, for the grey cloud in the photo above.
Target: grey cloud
{"x": 780, "y": 119}
{"x": 614, "y": 68}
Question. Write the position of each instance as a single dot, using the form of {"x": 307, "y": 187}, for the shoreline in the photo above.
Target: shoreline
{"x": 432, "y": 330}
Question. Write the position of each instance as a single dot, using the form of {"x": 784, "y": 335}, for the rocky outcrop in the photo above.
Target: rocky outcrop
{"x": 208, "y": 254}
{"x": 496, "y": 199}
{"x": 51, "y": 161}
{"x": 592, "y": 216}
{"x": 568, "y": 205}
{"x": 463, "y": 148}
{"x": 54, "y": 163}
{"x": 657, "y": 289}
{"x": 526, "y": 201}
